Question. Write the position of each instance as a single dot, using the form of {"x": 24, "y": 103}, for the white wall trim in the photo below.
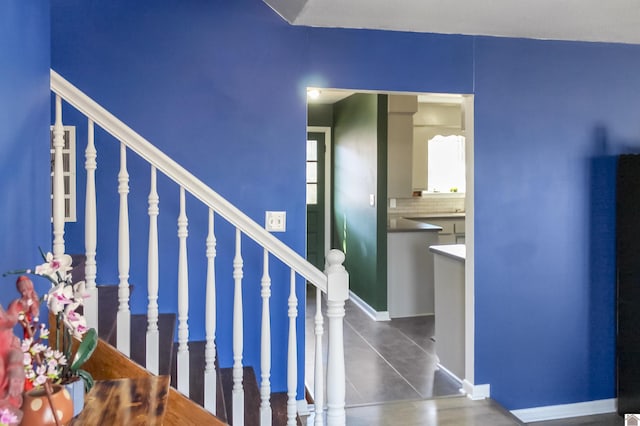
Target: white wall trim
{"x": 469, "y": 273}
{"x": 367, "y": 309}
{"x": 551, "y": 412}
{"x": 476, "y": 392}
{"x": 452, "y": 375}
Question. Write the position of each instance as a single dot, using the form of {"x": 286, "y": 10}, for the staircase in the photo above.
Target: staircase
{"x": 108, "y": 363}
{"x": 237, "y": 393}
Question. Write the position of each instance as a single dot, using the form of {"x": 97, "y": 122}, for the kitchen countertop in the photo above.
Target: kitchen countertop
{"x": 454, "y": 251}
{"x": 400, "y": 224}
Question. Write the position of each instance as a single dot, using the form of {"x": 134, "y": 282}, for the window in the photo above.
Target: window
{"x": 69, "y": 172}
{"x": 446, "y": 164}
{"x": 312, "y": 172}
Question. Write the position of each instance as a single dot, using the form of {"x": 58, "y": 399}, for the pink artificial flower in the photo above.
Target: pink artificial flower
{"x": 7, "y": 417}
{"x": 81, "y": 329}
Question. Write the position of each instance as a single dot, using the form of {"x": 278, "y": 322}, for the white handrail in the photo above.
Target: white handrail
{"x": 185, "y": 179}
{"x": 334, "y": 281}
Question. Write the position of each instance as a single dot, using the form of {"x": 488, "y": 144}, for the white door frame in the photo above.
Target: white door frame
{"x": 473, "y": 390}
{"x": 327, "y": 183}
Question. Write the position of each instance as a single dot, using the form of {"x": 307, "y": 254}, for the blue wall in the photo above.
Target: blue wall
{"x": 549, "y": 118}
{"x": 24, "y": 138}
{"x": 220, "y": 87}
{"x": 232, "y": 116}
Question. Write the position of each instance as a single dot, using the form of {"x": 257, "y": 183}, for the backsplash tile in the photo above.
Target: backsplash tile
{"x": 427, "y": 205}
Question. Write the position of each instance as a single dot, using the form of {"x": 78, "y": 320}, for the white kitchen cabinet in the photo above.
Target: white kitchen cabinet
{"x": 410, "y": 272}
{"x": 400, "y": 144}
{"x": 449, "y": 293}
{"x": 453, "y": 229}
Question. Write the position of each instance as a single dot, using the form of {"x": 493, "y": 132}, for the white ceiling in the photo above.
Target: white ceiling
{"x": 331, "y": 96}
{"x": 585, "y": 20}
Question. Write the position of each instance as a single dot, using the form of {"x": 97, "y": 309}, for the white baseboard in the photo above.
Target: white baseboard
{"x": 364, "y": 306}
{"x": 302, "y": 407}
{"x": 450, "y": 373}
{"x": 476, "y": 392}
{"x": 552, "y": 412}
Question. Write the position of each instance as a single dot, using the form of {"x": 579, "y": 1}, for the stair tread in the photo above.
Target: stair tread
{"x": 108, "y": 312}
{"x": 196, "y": 377}
{"x": 252, "y": 399}
{"x": 251, "y": 395}
{"x": 166, "y": 327}
{"x": 196, "y": 369}
{"x": 107, "y": 323}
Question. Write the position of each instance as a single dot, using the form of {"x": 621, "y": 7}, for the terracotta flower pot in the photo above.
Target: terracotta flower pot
{"x": 36, "y": 409}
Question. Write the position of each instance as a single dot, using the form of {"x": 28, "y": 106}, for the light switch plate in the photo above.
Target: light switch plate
{"x": 372, "y": 200}
{"x": 276, "y": 221}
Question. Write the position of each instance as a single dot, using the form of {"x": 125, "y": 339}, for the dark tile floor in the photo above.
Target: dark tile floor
{"x": 392, "y": 378}
{"x": 386, "y": 361}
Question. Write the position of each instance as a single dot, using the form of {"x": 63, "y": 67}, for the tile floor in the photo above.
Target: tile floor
{"x": 387, "y": 361}
{"x": 434, "y": 412}
{"x": 392, "y": 379}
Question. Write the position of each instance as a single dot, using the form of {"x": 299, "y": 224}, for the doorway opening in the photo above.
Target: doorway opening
{"x": 402, "y": 360}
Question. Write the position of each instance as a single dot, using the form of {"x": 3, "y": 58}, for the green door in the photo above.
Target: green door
{"x": 315, "y": 199}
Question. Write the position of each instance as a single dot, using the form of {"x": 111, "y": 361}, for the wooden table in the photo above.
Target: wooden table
{"x": 139, "y": 401}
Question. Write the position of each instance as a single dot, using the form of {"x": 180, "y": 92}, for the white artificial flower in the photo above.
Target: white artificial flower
{"x": 58, "y": 297}
{"x": 26, "y": 344}
{"x": 80, "y": 292}
{"x": 76, "y": 322}
{"x": 53, "y": 266}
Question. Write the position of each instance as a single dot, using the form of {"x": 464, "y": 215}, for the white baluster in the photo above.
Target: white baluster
{"x": 318, "y": 381}
{"x": 210, "y": 375}
{"x": 265, "y": 345}
{"x": 238, "y": 337}
{"x": 58, "y": 182}
{"x": 153, "y": 334}
{"x": 337, "y": 294}
{"x": 292, "y": 354}
{"x": 124, "y": 315}
{"x": 90, "y": 230}
{"x": 183, "y": 300}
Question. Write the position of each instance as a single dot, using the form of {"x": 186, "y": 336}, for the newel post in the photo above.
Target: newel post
{"x": 337, "y": 294}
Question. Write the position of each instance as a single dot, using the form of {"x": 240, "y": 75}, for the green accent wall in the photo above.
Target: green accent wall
{"x": 381, "y": 204}
{"x": 360, "y": 123}
{"x": 320, "y": 115}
